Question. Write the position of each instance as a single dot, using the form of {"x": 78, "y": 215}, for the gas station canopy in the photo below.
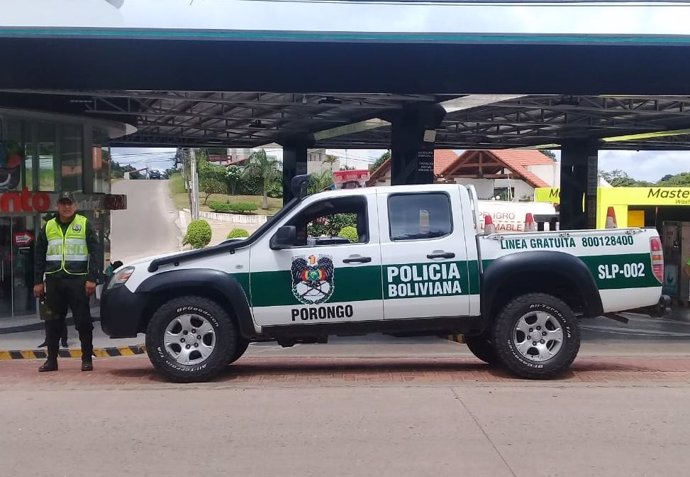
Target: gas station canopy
{"x": 340, "y": 120}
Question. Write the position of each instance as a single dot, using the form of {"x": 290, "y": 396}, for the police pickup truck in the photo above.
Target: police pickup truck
{"x": 417, "y": 265}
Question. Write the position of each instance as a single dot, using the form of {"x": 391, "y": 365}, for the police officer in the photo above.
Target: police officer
{"x": 67, "y": 254}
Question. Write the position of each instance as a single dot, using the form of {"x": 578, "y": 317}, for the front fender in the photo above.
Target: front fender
{"x": 229, "y": 289}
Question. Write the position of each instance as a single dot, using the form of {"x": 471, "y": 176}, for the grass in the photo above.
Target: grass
{"x": 181, "y": 198}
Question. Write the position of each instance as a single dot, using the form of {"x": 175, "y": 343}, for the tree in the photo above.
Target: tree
{"x": 211, "y": 186}
{"x": 320, "y": 181}
{"x": 682, "y": 179}
{"x": 377, "y": 163}
{"x": 330, "y": 160}
{"x": 347, "y": 168}
{"x": 618, "y": 178}
{"x": 208, "y": 170}
{"x": 264, "y": 167}
{"x": 233, "y": 176}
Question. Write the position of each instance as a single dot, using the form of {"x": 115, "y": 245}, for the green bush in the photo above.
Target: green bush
{"x": 246, "y": 208}
{"x": 198, "y": 234}
{"x": 237, "y": 233}
{"x": 349, "y": 233}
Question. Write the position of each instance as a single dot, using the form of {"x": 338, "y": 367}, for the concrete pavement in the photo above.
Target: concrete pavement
{"x": 365, "y": 430}
{"x": 298, "y": 414}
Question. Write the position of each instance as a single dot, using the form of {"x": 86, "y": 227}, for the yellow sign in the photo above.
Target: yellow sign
{"x": 620, "y": 198}
{"x": 547, "y": 194}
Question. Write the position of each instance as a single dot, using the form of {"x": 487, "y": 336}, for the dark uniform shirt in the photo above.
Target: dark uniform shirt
{"x": 92, "y": 244}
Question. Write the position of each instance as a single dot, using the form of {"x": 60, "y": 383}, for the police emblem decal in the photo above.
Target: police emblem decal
{"x": 76, "y": 227}
{"x": 312, "y": 279}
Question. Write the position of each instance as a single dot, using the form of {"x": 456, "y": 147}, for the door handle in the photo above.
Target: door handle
{"x": 441, "y": 254}
{"x": 356, "y": 259}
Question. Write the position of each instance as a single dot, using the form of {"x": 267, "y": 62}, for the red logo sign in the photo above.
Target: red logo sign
{"x": 23, "y": 239}
{"x": 24, "y": 201}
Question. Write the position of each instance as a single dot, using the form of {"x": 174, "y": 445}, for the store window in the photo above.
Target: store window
{"x": 12, "y": 155}
{"x": 71, "y": 154}
{"x": 101, "y": 162}
{"x": 46, "y": 157}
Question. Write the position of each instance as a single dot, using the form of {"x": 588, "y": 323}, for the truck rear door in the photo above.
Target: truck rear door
{"x": 423, "y": 254}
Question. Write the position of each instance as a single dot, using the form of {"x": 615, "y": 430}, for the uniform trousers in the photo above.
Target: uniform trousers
{"x": 63, "y": 293}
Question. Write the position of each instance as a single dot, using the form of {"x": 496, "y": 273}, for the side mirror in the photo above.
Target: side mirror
{"x": 285, "y": 237}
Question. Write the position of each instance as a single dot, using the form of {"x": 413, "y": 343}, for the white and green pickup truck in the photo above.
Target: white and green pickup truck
{"x": 415, "y": 266}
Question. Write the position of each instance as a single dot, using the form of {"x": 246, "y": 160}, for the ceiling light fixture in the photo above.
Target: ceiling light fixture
{"x": 330, "y": 100}
{"x": 257, "y": 124}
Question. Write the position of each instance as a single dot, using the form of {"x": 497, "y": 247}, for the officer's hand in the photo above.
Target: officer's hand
{"x": 39, "y": 290}
{"x": 90, "y": 288}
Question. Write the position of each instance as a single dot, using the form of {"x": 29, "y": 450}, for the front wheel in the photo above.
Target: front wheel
{"x": 242, "y": 345}
{"x": 191, "y": 339}
{"x": 536, "y": 336}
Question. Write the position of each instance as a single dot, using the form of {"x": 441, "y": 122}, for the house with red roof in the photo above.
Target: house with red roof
{"x": 510, "y": 174}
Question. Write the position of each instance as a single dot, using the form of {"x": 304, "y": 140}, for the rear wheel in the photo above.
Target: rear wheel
{"x": 482, "y": 347}
{"x": 191, "y": 339}
{"x": 536, "y": 336}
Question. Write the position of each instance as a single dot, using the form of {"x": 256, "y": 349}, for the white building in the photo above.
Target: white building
{"x": 318, "y": 161}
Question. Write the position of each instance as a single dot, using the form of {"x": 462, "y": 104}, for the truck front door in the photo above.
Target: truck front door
{"x": 332, "y": 274}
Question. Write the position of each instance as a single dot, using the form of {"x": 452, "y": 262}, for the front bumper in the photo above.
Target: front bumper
{"x": 122, "y": 312}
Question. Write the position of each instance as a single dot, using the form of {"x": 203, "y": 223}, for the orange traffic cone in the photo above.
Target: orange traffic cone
{"x": 530, "y": 224}
{"x": 611, "y": 219}
{"x": 489, "y": 227}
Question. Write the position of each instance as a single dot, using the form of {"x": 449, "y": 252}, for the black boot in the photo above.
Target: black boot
{"x": 86, "y": 338}
{"x": 51, "y": 363}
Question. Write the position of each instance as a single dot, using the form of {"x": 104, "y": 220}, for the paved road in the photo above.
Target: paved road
{"x": 148, "y": 226}
{"x": 318, "y": 410}
{"x": 672, "y": 327}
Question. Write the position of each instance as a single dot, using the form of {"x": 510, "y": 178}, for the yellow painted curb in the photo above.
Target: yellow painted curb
{"x": 73, "y": 353}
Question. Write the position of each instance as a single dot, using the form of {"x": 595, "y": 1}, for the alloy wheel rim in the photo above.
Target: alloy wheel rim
{"x": 538, "y": 336}
{"x": 189, "y": 339}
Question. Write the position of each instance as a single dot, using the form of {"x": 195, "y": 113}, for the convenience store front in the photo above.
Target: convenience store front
{"x": 665, "y": 208}
{"x": 40, "y": 155}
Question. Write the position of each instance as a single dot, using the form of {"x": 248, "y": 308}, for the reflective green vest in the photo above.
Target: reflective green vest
{"x": 68, "y": 252}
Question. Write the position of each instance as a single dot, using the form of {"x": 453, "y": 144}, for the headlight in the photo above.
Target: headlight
{"x": 121, "y": 277}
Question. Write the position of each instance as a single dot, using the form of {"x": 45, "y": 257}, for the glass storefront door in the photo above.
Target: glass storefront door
{"x": 16, "y": 266}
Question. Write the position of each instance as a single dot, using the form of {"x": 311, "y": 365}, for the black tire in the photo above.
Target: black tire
{"x": 482, "y": 347}
{"x": 225, "y": 341}
{"x": 242, "y": 345}
{"x": 507, "y": 338}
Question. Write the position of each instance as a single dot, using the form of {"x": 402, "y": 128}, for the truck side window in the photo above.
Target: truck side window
{"x": 333, "y": 222}
{"x": 419, "y": 216}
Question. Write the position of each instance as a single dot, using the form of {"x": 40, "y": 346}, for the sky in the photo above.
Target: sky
{"x": 353, "y": 16}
